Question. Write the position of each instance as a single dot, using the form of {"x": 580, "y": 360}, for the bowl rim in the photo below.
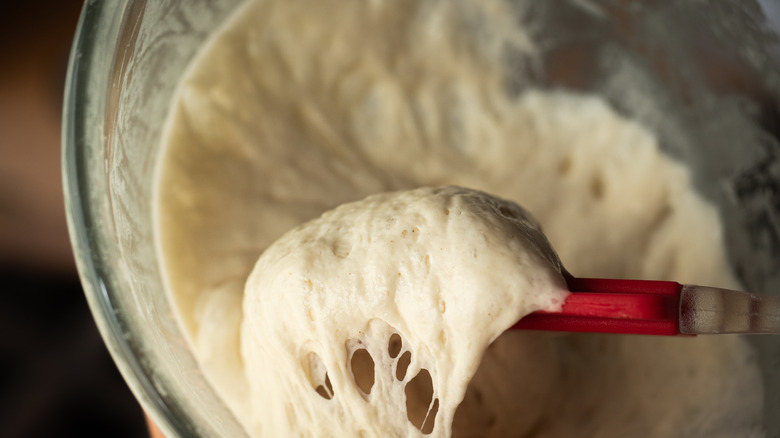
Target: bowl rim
{"x": 98, "y": 29}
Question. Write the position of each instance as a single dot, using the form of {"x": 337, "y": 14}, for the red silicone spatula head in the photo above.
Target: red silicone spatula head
{"x": 613, "y": 306}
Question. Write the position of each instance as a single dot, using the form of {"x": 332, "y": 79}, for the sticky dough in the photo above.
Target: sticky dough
{"x": 445, "y": 270}
{"x": 296, "y": 107}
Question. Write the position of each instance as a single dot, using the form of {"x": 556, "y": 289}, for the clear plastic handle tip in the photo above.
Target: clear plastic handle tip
{"x": 709, "y": 310}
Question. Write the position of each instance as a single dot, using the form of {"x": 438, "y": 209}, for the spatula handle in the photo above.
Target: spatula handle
{"x": 709, "y": 310}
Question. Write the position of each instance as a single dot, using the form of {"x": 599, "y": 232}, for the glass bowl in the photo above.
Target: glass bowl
{"x": 704, "y": 78}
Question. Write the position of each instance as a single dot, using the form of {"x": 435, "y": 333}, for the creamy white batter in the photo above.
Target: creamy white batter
{"x": 296, "y": 107}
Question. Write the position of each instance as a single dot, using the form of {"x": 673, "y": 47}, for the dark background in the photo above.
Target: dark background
{"x": 56, "y": 376}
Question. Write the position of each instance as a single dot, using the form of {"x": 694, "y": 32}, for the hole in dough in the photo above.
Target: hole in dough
{"x": 403, "y": 364}
{"x": 341, "y": 249}
{"x": 326, "y": 391}
{"x": 318, "y": 377}
{"x": 430, "y": 419}
{"x": 394, "y": 346}
{"x": 419, "y": 395}
{"x": 363, "y": 370}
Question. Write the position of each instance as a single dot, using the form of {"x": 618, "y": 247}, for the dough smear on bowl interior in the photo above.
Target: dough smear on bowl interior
{"x": 295, "y": 107}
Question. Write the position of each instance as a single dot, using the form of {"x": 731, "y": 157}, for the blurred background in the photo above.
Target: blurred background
{"x": 56, "y": 376}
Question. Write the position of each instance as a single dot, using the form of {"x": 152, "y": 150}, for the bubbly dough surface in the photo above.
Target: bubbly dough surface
{"x": 295, "y": 107}
{"x": 446, "y": 270}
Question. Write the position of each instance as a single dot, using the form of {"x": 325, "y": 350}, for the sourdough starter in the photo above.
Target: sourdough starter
{"x": 296, "y": 107}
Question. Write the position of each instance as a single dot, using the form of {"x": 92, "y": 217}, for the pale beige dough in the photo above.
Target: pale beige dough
{"x": 445, "y": 269}
{"x": 296, "y": 107}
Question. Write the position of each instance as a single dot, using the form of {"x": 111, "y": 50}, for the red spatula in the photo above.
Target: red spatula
{"x": 645, "y": 307}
